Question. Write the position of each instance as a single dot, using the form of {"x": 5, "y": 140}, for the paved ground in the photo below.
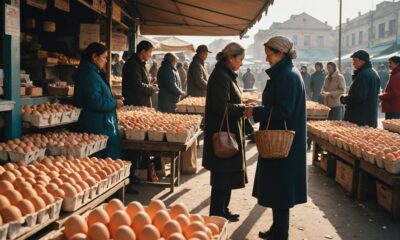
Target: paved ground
{"x": 328, "y": 214}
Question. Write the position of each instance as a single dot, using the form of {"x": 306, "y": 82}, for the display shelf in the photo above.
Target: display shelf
{"x": 27, "y": 100}
{"x": 6, "y": 105}
{"x": 28, "y": 125}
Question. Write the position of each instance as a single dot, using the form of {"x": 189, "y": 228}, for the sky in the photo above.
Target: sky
{"x": 324, "y": 10}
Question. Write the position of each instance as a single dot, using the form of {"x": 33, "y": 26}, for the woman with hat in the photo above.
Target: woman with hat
{"x": 281, "y": 183}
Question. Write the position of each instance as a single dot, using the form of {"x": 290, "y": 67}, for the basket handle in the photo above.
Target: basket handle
{"x": 227, "y": 121}
{"x": 269, "y": 120}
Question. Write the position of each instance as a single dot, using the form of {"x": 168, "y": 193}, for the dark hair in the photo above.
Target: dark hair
{"x": 144, "y": 45}
{"x": 304, "y": 67}
{"x": 319, "y": 64}
{"x": 395, "y": 59}
{"x": 179, "y": 65}
{"x": 126, "y": 55}
{"x": 332, "y": 64}
{"x": 93, "y": 48}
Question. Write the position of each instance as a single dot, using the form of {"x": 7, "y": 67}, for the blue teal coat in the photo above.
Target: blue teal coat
{"x": 281, "y": 183}
{"x": 170, "y": 88}
{"x": 98, "y": 105}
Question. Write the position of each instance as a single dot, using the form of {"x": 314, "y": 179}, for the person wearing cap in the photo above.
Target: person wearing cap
{"x": 281, "y": 184}
{"x": 197, "y": 75}
{"x": 362, "y": 100}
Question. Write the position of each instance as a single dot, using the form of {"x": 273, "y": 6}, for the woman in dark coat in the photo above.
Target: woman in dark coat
{"x": 93, "y": 95}
{"x": 224, "y": 93}
{"x": 281, "y": 183}
{"x": 169, "y": 84}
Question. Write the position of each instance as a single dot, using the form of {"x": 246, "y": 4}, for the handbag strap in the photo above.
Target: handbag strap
{"x": 269, "y": 120}
{"x": 226, "y": 116}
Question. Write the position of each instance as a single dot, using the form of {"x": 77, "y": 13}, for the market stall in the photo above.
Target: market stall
{"x": 364, "y": 161}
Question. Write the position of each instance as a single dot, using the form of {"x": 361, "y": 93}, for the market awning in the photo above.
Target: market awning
{"x": 314, "y": 54}
{"x": 199, "y": 17}
{"x": 175, "y": 44}
{"x": 155, "y": 43}
{"x": 385, "y": 58}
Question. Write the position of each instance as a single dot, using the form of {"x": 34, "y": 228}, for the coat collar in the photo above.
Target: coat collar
{"x": 197, "y": 59}
{"x": 274, "y": 71}
{"x": 90, "y": 65}
{"x": 136, "y": 58}
{"x": 224, "y": 66}
{"x": 366, "y": 66}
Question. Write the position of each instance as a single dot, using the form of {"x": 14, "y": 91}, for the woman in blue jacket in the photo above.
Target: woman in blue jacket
{"x": 93, "y": 95}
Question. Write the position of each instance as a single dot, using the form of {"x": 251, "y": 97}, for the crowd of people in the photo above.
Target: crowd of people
{"x": 278, "y": 184}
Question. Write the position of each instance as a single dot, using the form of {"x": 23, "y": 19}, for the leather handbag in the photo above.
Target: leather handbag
{"x": 224, "y": 143}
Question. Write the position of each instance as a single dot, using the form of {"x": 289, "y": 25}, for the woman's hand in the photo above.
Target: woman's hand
{"x": 120, "y": 103}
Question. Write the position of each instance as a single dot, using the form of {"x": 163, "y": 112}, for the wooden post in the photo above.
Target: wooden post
{"x": 12, "y": 68}
{"x": 109, "y": 39}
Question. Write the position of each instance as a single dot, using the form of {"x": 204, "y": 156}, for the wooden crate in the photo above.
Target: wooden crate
{"x": 384, "y": 195}
{"x": 22, "y": 91}
{"x": 324, "y": 162}
{"x": 344, "y": 175}
{"x": 34, "y": 91}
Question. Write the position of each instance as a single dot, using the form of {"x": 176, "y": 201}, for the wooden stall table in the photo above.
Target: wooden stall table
{"x": 164, "y": 149}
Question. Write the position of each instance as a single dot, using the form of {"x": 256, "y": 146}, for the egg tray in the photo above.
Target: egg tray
{"x": 181, "y": 108}
{"x": 390, "y": 126}
{"x": 200, "y": 109}
{"x": 392, "y": 167}
{"x": 75, "y": 114}
{"x": 136, "y": 135}
{"x": 42, "y": 120}
{"x": 55, "y": 118}
{"x": 67, "y": 117}
{"x": 156, "y": 136}
{"x": 14, "y": 229}
{"x": 191, "y": 109}
{"x": 177, "y": 137}
{"x": 26, "y": 157}
{"x": 78, "y": 152}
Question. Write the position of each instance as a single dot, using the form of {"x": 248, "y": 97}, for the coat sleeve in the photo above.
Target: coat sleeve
{"x": 341, "y": 87}
{"x": 198, "y": 76}
{"x": 392, "y": 89}
{"x": 170, "y": 82}
{"x": 361, "y": 91}
{"x": 221, "y": 99}
{"x": 93, "y": 96}
{"x": 287, "y": 92}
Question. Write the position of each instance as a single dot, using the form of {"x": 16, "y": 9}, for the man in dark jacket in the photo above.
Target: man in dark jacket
{"x": 316, "y": 83}
{"x": 248, "y": 80}
{"x": 306, "y": 79}
{"x": 136, "y": 87}
{"x": 362, "y": 100}
{"x": 197, "y": 75}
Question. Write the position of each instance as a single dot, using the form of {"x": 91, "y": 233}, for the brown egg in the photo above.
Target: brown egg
{"x": 58, "y": 193}
{"x": 70, "y": 180}
{"x": 28, "y": 192}
{"x": 7, "y": 175}
{"x": 38, "y": 202}
{"x": 13, "y": 196}
{"x": 69, "y": 190}
{"x": 91, "y": 171}
{"x": 26, "y": 207}
{"x": 47, "y": 198}
{"x": 90, "y": 181}
{"x": 102, "y": 174}
{"x": 10, "y": 214}
{"x": 133, "y": 208}
{"x": 77, "y": 187}
{"x": 170, "y": 228}
{"x": 124, "y": 233}
{"x": 176, "y": 236}
{"x": 178, "y": 209}
{"x": 9, "y": 166}
{"x": 120, "y": 163}
{"x": 154, "y": 206}
{"x": 98, "y": 231}
{"x": 113, "y": 206}
{"x": 200, "y": 235}
{"x": 160, "y": 219}
{"x": 119, "y": 218}
{"x": 40, "y": 189}
{"x": 1, "y": 167}
{"x": 96, "y": 177}
{"x": 196, "y": 217}
{"x": 43, "y": 178}
{"x": 98, "y": 215}
{"x": 84, "y": 174}
{"x": 57, "y": 181}
{"x": 21, "y": 185}
{"x": 30, "y": 180}
{"x": 194, "y": 227}
{"x": 16, "y": 173}
{"x": 213, "y": 227}
{"x": 75, "y": 224}
{"x": 5, "y": 185}
{"x": 51, "y": 186}
{"x": 83, "y": 185}
{"x": 4, "y": 202}
{"x": 75, "y": 176}
{"x": 108, "y": 170}
{"x": 149, "y": 232}
{"x": 79, "y": 236}
{"x": 139, "y": 221}
{"x": 53, "y": 174}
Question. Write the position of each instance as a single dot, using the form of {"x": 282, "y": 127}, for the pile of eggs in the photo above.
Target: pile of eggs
{"x": 193, "y": 101}
{"x": 157, "y": 121}
{"x": 25, "y": 189}
{"x": 64, "y": 139}
{"x": 19, "y": 146}
{"x": 314, "y": 106}
{"x": 46, "y": 108}
{"x": 154, "y": 222}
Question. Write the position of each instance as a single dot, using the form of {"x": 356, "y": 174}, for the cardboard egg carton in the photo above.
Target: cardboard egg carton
{"x": 26, "y": 157}
{"x": 178, "y": 137}
{"x": 181, "y": 108}
{"x": 157, "y": 136}
{"x": 137, "y": 135}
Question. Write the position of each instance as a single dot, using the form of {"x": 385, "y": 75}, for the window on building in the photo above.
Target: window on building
{"x": 381, "y": 30}
{"x": 307, "y": 40}
{"x": 347, "y": 40}
{"x": 294, "y": 37}
{"x": 320, "y": 41}
{"x": 360, "y": 37}
{"x": 353, "y": 39}
{"x": 369, "y": 34}
{"x": 392, "y": 27}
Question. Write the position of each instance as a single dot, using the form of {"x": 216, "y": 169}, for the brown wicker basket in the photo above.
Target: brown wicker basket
{"x": 274, "y": 143}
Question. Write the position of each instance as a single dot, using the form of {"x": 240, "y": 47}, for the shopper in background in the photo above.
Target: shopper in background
{"x": 169, "y": 84}
{"x": 94, "y": 97}
{"x": 316, "y": 82}
{"x": 182, "y": 75}
{"x": 136, "y": 87}
{"x": 383, "y": 76}
{"x": 117, "y": 65}
{"x": 334, "y": 87}
{"x": 248, "y": 79}
{"x": 223, "y": 93}
{"x": 391, "y": 95}
{"x": 281, "y": 183}
{"x": 153, "y": 72}
{"x": 362, "y": 99}
{"x": 307, "y": 80}
{"x": 347, "y": 77}
{"x": 197, "y": 75}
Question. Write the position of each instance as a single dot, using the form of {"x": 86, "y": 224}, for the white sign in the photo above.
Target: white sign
{"x": 88, "y": 33}
{"x": 41, "y": 4}
{"x": 12, "y": 24}
{"x": 119, "y": 42}
{"x": 62, "y": 5}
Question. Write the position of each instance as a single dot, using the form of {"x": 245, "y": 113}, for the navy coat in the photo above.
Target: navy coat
{"x": 282, "y": 183}
{"x": 98, "y": 105}
{"x": 170, "y": 88}
{"x": 362, "y": 100}
{"x": 316, "y": 82}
